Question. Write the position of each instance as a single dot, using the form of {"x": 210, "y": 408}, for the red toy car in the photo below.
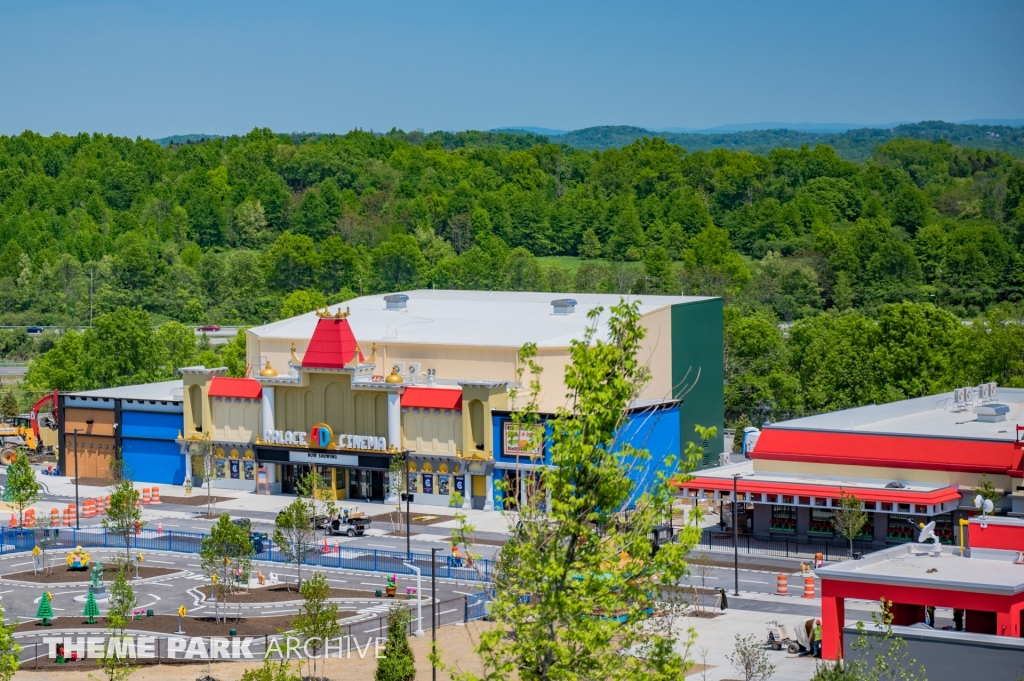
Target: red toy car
{"x": 209, "y": 327}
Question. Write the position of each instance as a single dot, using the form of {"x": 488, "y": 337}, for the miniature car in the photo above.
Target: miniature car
{"x": 209, "y": 327}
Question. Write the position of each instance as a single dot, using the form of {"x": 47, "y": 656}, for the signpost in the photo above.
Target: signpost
{"x": 181, "y": 616}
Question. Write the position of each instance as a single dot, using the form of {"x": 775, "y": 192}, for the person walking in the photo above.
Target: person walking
{"x": 958, "y": 619}
{"x": 816, "y": 639}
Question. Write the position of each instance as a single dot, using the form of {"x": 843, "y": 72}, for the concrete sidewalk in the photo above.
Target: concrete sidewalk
{"x": 243, "y": 501}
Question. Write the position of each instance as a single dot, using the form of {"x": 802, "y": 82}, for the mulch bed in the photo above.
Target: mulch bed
{"x": 194, "y": 500}
{"x": 399, "y": 518}
{"x": 94, "y": 482}
{"x": 275, "y": 594}
{"x": 61, "y": 574}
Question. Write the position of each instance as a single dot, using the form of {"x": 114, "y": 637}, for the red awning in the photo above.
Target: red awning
{"x": 432, "y": 398}
{"x": 906, "y": 496}
{"x": 247, "y": 388}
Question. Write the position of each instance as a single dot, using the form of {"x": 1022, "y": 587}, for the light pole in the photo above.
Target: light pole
{"x": 419, "y": 598}
{"x": 78, "y": 474}
{"x": 407, "y": 498}
{"x": 735, "y": 537}
{"x": 433, "y": 609}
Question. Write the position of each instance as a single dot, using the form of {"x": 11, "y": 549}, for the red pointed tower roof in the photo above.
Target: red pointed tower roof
{"x": 333, "y": 344}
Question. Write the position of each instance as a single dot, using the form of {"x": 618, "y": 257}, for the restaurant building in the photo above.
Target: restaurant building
{"x": 908, "y": 462}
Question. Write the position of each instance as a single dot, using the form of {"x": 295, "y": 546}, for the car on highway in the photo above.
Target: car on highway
{"x": 208, "y": 327}
{"x": 35, "y": 330}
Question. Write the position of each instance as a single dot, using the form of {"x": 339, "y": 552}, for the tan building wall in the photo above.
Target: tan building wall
{"x": 474, "y": 363}
{"x": 235, "y": 419}
{"x": 329, "y": 399}
{"x": 432, "y": 431}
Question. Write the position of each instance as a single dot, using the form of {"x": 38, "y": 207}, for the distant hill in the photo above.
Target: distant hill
{"x": 546, "y": 132}
{"x": 854, "y": 145}
{"x": 186, "y": 139}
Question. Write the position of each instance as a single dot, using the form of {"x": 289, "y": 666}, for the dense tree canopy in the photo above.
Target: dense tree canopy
{"x": 238, "y": 230}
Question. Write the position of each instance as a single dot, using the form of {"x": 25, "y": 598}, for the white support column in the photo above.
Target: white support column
{"x": 489, "y": 482}
{"x": 395, "y": 420}
{"x": 188, "y": 463}
{"x": 267, "y": 404}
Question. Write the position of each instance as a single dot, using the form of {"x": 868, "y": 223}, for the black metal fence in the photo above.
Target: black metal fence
{"x": 783, "y": 547}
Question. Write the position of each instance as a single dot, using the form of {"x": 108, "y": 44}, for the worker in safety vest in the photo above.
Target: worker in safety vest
{"x": 816, "y": 639}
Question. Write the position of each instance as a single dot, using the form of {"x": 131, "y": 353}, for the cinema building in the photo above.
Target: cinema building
{"x": 908, "y": 462}
{"x": 428, "y": 373}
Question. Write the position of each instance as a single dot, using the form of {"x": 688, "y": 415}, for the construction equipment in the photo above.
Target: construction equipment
{"x": 24, "y": 431}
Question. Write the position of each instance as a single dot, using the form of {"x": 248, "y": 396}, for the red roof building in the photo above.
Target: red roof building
{"x": 906, "y": 462}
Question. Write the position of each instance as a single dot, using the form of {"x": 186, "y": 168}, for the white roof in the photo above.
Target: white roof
{"x": 926, "y": 416}
{"x": 983, "y": 570}
{"x": 165, "y": 390}
{"x": 481, "y": 318}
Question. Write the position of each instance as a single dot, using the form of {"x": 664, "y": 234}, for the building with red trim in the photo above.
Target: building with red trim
{"x": 986, "y": 581}
{"x": 428, "y": 374}
{"x": 908, "y": 462}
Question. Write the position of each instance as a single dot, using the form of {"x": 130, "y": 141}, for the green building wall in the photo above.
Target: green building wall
{"x": 698, "y": 372}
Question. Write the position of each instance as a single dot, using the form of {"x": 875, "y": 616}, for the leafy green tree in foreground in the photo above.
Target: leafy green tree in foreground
{"x": 9, "y": 406}
{"x": 123, "y": 515}
{"x": 271, "y": 671}
{"x": 294, "y": 534}
{"x": 317, "y": 622}
{"x": 22, "y": 489}
{"x": 397, "y": 662}
{"x": 226, "y": 554}
{"x": 9, "y": 649}
{"x": 577, "y": 584}
{"x": 116, "y": 662}
{"x": 849, "y": 518}
{"x": 886, "y": 652}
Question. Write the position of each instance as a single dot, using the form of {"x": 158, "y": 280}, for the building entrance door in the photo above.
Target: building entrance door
{"x": 479, "y": 489}
{"x": 366, "y": 484}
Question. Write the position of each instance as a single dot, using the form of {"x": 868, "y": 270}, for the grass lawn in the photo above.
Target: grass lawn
{"x": 569, "y": 262}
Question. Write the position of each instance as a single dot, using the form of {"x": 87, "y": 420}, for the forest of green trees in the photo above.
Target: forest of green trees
{"x": 845, "y": 282}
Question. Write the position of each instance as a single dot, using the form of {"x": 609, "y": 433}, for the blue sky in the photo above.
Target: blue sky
{"x": 155, "y": 69}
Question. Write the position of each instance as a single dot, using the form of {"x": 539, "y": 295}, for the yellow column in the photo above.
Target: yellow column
{"x": 334, "y": 483}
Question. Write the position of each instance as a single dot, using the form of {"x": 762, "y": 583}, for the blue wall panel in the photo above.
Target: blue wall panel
{"x": 656, "y": 430}
{"x": 151, "y": 425}
{"x": 154, "y": 461}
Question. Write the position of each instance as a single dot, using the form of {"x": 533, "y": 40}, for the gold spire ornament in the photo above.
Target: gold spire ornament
{"x": 269, "y": 371}
{"x": 393, "y": 377}
{"x": 295, "y": 358}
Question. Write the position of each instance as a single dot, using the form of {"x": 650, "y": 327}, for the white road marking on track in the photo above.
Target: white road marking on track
{"x": 164, "y": 562}
{"x": 20, "y": 564}
{"x": 154, "y": 596}
{"x": 463, "y": 593}
{"x": 6, "y": 592}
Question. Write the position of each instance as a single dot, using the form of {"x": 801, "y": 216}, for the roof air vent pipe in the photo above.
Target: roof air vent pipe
{"x": 396, "y": 301}
{"x": 564, "y": 305}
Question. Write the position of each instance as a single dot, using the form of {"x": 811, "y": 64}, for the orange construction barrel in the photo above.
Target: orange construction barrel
{"x": 808, "y": 587}
{"x": 155, "y": 499}
{"x": 783, "y": 585}
{"x": 54, "y": 518}
{"x": 146, "y": 498}
{"x": 88, "y": 508}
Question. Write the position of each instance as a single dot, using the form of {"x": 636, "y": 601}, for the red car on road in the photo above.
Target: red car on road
{"x": 209, "y": 327}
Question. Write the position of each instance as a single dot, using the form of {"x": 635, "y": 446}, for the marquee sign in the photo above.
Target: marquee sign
{"x": 321, "y": 436}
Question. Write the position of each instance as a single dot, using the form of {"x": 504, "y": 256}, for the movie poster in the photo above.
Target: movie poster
{"x": 443, "y": 485}
{"x": 428, "y": 483}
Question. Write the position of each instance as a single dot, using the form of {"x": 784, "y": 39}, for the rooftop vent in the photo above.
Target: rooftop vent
{"x": 895, "y": 485}
{"x": 564, "y": 305}
{"x": 396, "y": 301}
{"x": 992, "y": 413}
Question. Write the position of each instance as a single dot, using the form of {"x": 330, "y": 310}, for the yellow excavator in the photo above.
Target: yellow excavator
{"x": 24, "y": 431}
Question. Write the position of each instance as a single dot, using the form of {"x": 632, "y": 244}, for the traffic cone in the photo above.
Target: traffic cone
{"x": 326, "y": 550}
{"x": 13, "y": 523}
{"x": 160, "y": 526}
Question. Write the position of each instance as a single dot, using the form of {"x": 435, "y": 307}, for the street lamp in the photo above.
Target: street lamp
{"x": 735, "y": 537}
{"x": 419, "y": 598}
{"x": 433, "y": 609}
{"x": 407, "y": 498}
{"x": 78, "y": 474}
